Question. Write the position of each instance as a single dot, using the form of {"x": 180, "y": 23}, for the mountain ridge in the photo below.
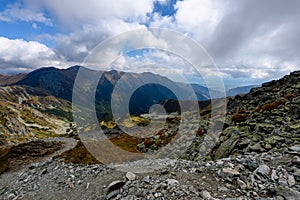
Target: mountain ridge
{"x": 59, "y": 83}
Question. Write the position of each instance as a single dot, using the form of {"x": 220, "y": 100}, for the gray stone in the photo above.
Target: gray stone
{"x": 35, "y": 187}
{"x": 115, "y": 185}
{"x": 112, "y": 194}
{"x": 227, "y": 147}
{"x": 295, "y": 148}
{"x": 241, "y": 184}
{"x": 171, "y": 183}
{"x": 237, "y": 198}
{"x": 206, "y": 195}
{"x": 129, "y": 197}
{"x": 274, "y": 176}
{"x": 296, "y": 100}
{"x": 256, "y": 147}
{"x": 297, "y": 175}
{"x": 146, "y": 179}
{"x": 250, "y": 164}
{"x": 291, "y": 180}
{"x": 130, "y": 176}
{"x": 288, "y": 193}
{"x": 228, "y": 173}
{"x": 262, "y": 171}
{"x": 279, "y": 198}
{"x": 141, "y": 147}
{"x": 296, "y": 161}
{"x": 282, "y": 182}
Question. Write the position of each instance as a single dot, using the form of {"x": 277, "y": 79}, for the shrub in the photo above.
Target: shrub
{"x": 242, "y": 112}
{"x": 289, "y": 96}
{"x": 270, "y": 106}
{"x": 237, "y": 118}
{"x": 199, "y": 132}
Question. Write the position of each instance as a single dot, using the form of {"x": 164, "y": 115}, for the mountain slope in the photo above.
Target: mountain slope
{"x": 266, "y": 119}
{"x": 59, "y": 83}
{"x": 10, "y": 79}
{"x": 26, "y": 114}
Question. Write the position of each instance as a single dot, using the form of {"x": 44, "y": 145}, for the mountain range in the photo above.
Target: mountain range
{"x": 240, "y": 90}
{"x": 59, "y": 83}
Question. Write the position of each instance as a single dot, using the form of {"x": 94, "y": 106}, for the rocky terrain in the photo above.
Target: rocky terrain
{"x": 27, "y": 114}
{"x": 257, "y": 156}
{"x": 269, "y": 175}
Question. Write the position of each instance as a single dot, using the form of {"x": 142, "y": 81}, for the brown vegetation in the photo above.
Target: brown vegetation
{"x": 126, "y": 142}
{"x": 78, "y": 155}
{"x": 270, "y": 106}
{"x": 289, "y": 96}
{"x": 200, "y": 132}
{"x": 237, "y": 118}
{"x": 4, "y": 155}
{"x": 242, "y": 112}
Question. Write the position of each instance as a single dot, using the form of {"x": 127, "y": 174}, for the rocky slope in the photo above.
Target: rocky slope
{"x": 27, "y": 114}
{"x": 266, "y": 118}
{"x": 269, "y": 175}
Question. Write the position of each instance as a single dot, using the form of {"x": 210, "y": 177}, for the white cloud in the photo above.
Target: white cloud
{"x": 198, "y": 17}
{"x": 18, "y": 12}
{"x": 163, "y": 22}
{"x": 75, "y": 13}
{"x": 164, "y": 61}
{"x": 257, "y": 39}
{"x": 4, "y": 19}
{"x": 76, "y": 45}
{"x": 21, "y": 55}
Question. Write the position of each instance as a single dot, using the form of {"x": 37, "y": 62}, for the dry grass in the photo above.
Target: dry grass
{"x": 78, "y": 155}
{"x": 4, "y": 155}
{"x": 126, "y": 142}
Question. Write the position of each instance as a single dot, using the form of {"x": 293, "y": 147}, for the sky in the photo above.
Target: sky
{"x": 250, "y": 41}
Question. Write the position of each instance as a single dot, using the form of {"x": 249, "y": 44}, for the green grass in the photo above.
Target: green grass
{"x": 59, "y": 113}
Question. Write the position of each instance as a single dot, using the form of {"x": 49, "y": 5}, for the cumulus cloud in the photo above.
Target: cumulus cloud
{"x": 76, "y": 45}
{"x": 251, "y": 39}
{"x": 75, "y": 13}
{"x": 90, "y": 22}
{"x": 22, "y": 56}
{"x": 159, "y": 60}
{"x": 261, "y": 37}
{"x": 17, "y": 11}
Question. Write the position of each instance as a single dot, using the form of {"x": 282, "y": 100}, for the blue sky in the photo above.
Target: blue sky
{"x": 248, "y": 40}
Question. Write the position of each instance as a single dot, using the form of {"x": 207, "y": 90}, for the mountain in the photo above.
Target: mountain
{"x": 201, "y": 92}
{"x": 10, "y": 79}
{"x": 59, "y": 83}
{"x": 240, "y": 90}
